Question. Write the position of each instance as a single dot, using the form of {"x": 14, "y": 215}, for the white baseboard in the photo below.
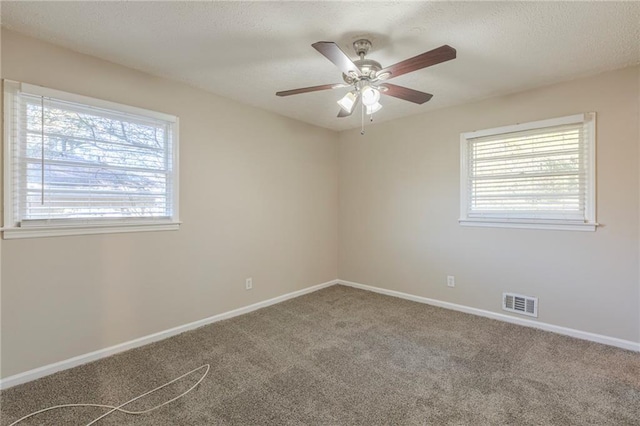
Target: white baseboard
{"x": 46, "y": 370}
{"x": 599, "y": 338}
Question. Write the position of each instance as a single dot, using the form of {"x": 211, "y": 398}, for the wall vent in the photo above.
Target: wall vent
{"x": 525, "y": 305}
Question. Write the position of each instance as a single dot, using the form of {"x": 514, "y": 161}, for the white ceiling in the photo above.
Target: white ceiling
{"x": 249, "y": 50}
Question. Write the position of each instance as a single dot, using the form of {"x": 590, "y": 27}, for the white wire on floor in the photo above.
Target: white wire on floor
{"x": 119, "y": 407}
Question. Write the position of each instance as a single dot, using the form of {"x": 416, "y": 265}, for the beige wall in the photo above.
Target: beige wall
{"x": 399, "y": 205}
{"x": 259, "y": 198}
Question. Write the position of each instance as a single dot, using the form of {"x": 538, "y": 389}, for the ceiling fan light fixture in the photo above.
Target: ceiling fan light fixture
{"x": 374, "y": 108}
{"x": 370, "y": 96}
{"x": 348, "y": 101}
{"x": 367, "y": 78}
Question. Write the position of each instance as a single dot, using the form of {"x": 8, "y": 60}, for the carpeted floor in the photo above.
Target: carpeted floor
{"x": 342, "y": 356}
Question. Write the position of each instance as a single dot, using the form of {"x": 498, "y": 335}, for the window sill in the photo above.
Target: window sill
{"x": 89, "y": 229}
{"x": 530, "y": 224}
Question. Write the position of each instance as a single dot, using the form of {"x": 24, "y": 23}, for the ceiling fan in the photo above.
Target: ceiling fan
{"x": 368, "y": 79}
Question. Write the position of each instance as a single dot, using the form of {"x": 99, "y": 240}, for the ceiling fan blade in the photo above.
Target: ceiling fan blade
{"x": 310, "y": 89}
{"x": 343, "y": 113}
{"x": 432, "y": 57}
{"x": 405, "y": 93}
{"x": 333, "y": 53}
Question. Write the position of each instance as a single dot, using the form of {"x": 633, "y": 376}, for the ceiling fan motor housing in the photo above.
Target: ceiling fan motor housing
{"x": 367, "y": 67}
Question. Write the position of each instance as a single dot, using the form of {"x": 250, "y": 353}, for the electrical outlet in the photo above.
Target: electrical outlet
{"x": 248, "y": 284}
{"x": 451, "y": 281}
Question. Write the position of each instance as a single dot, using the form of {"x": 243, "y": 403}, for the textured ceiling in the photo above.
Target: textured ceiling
{"x": 249, "y": 50}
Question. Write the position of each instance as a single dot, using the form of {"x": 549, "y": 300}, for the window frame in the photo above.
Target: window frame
{"x": 589, "y": 224}
{"x": 60, "y": 227}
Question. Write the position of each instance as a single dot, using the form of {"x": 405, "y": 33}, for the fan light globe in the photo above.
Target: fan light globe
{"x": 370, "y": 96}
{"x": 348, "y": 101}
{"x": 373, "y": 108}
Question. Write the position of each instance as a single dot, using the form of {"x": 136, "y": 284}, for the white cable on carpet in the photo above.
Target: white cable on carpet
{"x": 119, "y": 407}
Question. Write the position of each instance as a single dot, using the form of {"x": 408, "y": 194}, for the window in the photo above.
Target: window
{"x": 533, "y": 175}
{"x": 77, "y": 165}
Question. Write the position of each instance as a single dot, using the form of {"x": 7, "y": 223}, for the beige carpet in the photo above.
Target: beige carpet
{"x": 346, "y": 356}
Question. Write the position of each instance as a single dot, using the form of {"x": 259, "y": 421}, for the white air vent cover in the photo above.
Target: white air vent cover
{"x": 525, "y": 305}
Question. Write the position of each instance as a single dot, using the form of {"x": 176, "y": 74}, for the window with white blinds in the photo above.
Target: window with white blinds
{"x": 540, "y": 174}
{"x": 80, "y": 165}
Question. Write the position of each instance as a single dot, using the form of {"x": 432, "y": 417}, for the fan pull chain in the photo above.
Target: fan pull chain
{"x": 362, "y": 118}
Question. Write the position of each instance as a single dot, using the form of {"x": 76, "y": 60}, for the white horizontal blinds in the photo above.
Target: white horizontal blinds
{"x": 74, "y": 161}
{"x": 532, "y": 174}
